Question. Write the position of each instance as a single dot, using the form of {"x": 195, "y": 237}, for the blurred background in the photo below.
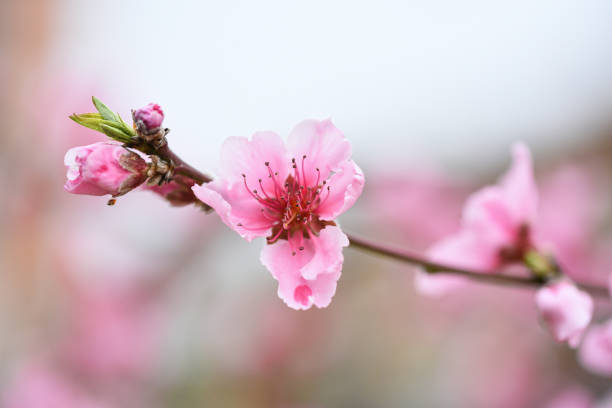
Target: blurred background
{"x": 146, "y": 305}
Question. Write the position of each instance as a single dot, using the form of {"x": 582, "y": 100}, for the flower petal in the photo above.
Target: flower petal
{"x": 596, "y": 349}
{"x": 326, "y": 250}
{"x": 345, "y": 186}
{"x": 308, "y": 277}
{"x": 519, "y": 186}
{"x": 324, "y": 146}
{"x": 462, "y": 250}
{"x": 240, "y": 155}
{"x": 487, "y": 214}
{"x": 497, "y": 212}
{"x": 236, "y": 207}
{"x": 566, "y": 310}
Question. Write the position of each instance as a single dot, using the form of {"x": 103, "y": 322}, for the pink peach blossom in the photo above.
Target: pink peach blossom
{"x": 113, "y": 332}
{"x": 151, "y": 116}
{"x": 496, "y": 227}
{"x": 291, "y": 193}
{"x": 103, "y": 168}
{"x": 568, "y": 224}
{"x": 565, "y": 310}
{"x": 596, "y": 349}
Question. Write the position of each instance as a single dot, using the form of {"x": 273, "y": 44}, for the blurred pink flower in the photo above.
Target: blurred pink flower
{"x": 38, "y": 386}
{"x": 103, "y": 168}
{"x": 151, "y": 116}
{"x": 596, "y": 349}
{"x": 569, "y": 207}
{"x": 573, "y": 397}
{"x": 496, "y": 227}
{"x": 565, "y": 310}
{"x": 292, "y": 193}
{"x": 112, "y": 332}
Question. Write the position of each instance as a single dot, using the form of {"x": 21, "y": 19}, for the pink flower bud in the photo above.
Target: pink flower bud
{"x": 596, "y": 349}
{"x": 103, "y": 168}
{"x": 151, "y": 117}
{"x": 566, "y": 310}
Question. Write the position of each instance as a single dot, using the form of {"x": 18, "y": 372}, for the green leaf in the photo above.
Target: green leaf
{"x": 117, "y": 126}
{"x": 105, "y": 121}
{"x": 115, "y": 133}
{"x": 90, "y": 115}
{"x": 103, "y": 109}
{"x": 126, "y": 127}
{"x": 89, "y": 120}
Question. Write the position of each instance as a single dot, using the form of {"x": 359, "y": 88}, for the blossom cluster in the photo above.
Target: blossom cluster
{"x": 292, "y": 192}
{"x": 500, "y": 228}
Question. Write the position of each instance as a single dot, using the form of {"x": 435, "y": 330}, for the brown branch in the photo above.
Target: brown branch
{"x": 436, "y": 268}
{"x": 180, "y": 167}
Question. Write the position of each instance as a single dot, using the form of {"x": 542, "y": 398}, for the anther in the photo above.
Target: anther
{"x": 267, "y": 163}
{"x": 301, "y": 248}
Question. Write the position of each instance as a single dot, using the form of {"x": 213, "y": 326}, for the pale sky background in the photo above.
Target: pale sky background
{"x": 445, "y": 81}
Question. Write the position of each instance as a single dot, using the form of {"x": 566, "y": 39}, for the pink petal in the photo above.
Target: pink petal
{"x": 436, "y": 285}
{"x": 518, "y": 184}
{"x": 326, "y": 250}
{"x": 95, "y": 169}
{"x": 486, "y": 212}
{"x": 497, "y": 212}
{"x": 462, "y": 250}
{"x": 236, "y": 207}
{"x": 566, "y": 310}
{"x": 596, "y": 349}
{"x": 240, "y": 155}
{"x": 308, "y": 277}
{"x": 345, "y": 186}
{"x": 324, "y": 146}
{"x": 465, "y": 249}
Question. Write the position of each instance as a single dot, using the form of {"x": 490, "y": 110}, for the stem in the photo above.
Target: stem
{"x": 182, "y": 168}
{"x": 437, "y": 268}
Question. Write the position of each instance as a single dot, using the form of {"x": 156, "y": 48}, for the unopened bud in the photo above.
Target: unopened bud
{"x": 149, "y": 118}
{"x": 103, "y": 168}
{"x": 565, "y": 309}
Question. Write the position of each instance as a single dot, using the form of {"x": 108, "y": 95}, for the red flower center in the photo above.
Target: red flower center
{"x": 291, "y": 206}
